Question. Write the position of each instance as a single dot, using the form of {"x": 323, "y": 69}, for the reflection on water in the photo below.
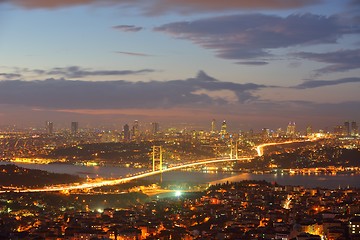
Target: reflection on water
{"x": 325, "y": 181}
{"x": 82, "y": 171}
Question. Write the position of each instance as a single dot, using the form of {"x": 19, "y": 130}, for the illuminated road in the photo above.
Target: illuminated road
{"x": 77, "y": 186}
{"x": 260, "y": 148}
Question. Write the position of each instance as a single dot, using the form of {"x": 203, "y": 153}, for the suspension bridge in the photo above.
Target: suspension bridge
{"x": 157, "y": 159}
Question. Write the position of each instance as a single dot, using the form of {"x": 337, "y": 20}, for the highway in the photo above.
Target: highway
{"x": 260, "y": 148}
{"x": 148, "y": 173}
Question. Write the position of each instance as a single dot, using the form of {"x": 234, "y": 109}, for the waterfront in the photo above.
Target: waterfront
{"x": 320, "y": 180}
{"x": 82, "y": 171}
{"x": 309, "y": 181}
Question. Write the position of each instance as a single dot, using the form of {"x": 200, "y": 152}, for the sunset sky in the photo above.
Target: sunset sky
{"x": 259, "y": 63}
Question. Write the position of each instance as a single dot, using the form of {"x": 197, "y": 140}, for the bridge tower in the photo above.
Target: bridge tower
{"x": 234, "y": 149}
{"x": 157, "y": 156}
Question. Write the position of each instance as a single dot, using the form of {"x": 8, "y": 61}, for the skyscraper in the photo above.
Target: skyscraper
{"x": 347, "y": 128}
{"x": 74, "y": 127}
{"x": 126, "y": 131}
{"x": 308, "y": 130}
{"x": 354, "y": 129}
{"x": 213, "y": 126}
{"x": 155, "y": 128}
{"x": 49, "y": 127}
{"x": 339, "y": 130}
{"x": 291, "y": 129}
{"x": 135, "y": 129}
{"x": 223, "y": 128}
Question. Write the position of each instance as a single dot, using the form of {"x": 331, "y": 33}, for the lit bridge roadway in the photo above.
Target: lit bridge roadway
{"x": 260, "y": 148}
{"x": 111, "y": 182}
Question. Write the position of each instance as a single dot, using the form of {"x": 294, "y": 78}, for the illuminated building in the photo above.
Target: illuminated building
{"x": 213, "y": 126}
{"x": 126, "y": 131}
{"x": 49, "y": 127}
{"x": 347, "y": 128}
{"x": 308, "y": 130}
{"x": 339, "y": 130}
{"x": 291, "y": 128}
{"x": 74, "y": 127}
{"x": 354, "y": 227}
{"x": 354, "y": 129}
{"x": 155, "y": 128}
{"x": 109, "y": 136}
{"x": 223, "y": 128}
{"x": 280, "y": 132}
{"x": 135, "y": 129}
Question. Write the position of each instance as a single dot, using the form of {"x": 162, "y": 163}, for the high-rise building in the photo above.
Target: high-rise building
{"x": 291, "y": 129}
{"x": 354, "y": 129}
{"x": 135, "y": 129}
{"x": 155, "y": 128}
{"x": 309, "y": 131}
{"x": 213, "y": 126}
{"x": 347, "y": 128}
{"x": 126, "y": 131}
{"x": 49, "y": 127}
{"x": 280, "y": 132}
{"x": 339, "y": 130}
{"x": 74, "y": 127}
{"x": 223, "y": 128}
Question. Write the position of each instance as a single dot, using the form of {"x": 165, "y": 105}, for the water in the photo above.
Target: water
{"x": 324, "y": 181}
{"x": 82, "y": 171}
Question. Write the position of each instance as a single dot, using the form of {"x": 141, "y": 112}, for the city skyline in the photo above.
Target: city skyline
{"x": 255, "y": 65}
{"x": 133, "y": 130}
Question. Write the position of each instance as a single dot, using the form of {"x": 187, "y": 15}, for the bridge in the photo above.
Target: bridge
{"x": 112, "y": 182}
{"x": 157, "y": 158}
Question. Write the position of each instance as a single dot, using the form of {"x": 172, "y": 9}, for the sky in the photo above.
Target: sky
{"x": 256, "y": 64}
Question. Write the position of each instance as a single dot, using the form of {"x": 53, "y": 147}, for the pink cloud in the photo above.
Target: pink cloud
{"x": 50, "y": 3}
{"x": 161, "y": 6}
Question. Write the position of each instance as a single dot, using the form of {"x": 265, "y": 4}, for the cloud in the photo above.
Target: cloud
{"x": 134, "y": 54}
{"x": 69, "y": 94}
{"x": 325, "y": 114}
{"x": 128, "y": 28}
{"x": 323, "y": 83}
{"x": 51, "y": 3}
{"x": 224, "y": 95}
{"x": 10, "y": 75}
{"x": 254, "y": 63}
{"x": 340, "y": 61}
{"x": 78, "y": 72}
{"x": 253, "y": 36}
{"x": 351, "y": 12}
{"x": 165, "y": 6}
{"x": 307, "y": 112}
{"x": 355, "y": 3}
{"x": 191, "y": 6}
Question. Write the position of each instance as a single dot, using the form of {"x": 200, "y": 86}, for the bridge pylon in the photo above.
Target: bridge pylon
{"x": 157, "y": 156}
{"x": 234, "y": 149}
